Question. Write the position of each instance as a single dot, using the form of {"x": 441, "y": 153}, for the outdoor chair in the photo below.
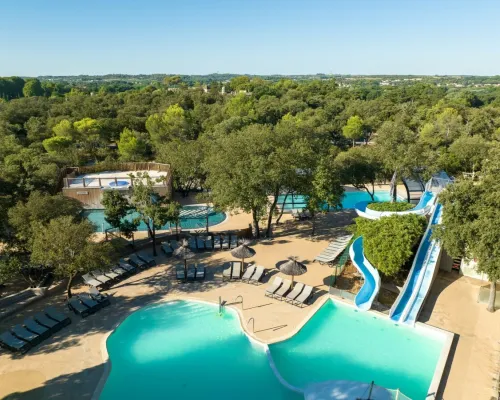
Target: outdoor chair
{"x": 274, "y": 286}
{"x": 24, "y": 334}
{"x": 304, "y": 297}
{"x": 12, "y": 343}
{"x": 259, "y": 273}
{"x": 248, "y": 273}
{"x": 295, "y": 292}
{"x": 283, "y": 290}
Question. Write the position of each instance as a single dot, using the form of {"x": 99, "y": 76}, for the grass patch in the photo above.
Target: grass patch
{"x": 388, "y": 206}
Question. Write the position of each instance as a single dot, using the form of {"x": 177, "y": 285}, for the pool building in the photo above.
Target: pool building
{"x": 87, "y": 184}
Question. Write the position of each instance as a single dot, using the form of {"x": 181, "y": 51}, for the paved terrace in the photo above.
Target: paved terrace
{"x": 69, "y": 364}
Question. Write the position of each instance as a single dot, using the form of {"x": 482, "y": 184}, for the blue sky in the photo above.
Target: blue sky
{"x": 70, "y": 37}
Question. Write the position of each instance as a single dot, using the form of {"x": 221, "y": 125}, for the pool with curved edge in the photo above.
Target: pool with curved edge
{"x": 192, "y": 217}
{"x": 161, "y": 351}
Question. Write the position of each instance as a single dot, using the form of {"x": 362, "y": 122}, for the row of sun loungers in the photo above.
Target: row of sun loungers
{"x": 333, "y": 250}
{"x": 253, "y": 274}
{"x": 300, "y": 214}
{"x": 85, "y": 304}
{"x": 233, "y": 272}
{"x": 201, "y": 243}
{"x": 282, "y": 289}
{"x": 33, "y": 330}
{"x": 194, "y": 273}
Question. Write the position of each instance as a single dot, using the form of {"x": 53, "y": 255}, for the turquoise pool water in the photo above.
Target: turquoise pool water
{"x": 192, "y": 217}
{"x": 339, "y": 342}
{"x": 185, "y": 350}
{"x": 348, "y": 201}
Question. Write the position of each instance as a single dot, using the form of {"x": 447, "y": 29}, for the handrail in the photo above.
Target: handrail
{"x": 253, "y": 323}
{"x": 241, "y": 300}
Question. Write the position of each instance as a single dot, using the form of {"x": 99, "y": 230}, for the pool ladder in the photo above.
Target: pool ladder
{"x": 221, "y": 306}
{"x": 253, "y": 323}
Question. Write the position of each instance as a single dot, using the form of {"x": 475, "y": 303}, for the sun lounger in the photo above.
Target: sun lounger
{"x": 179, "y": 272}
{"x": 44, "y": 320}
{"x": 90, "y": 302}
{"x": 128, "y": 267}
{"x": 200, "y": 272}
{"x": 174, "y": 244}
{"x": 295, "y": 292}
{"x": 122, "y": 273}
{"x": 58, "y": 316}
{"x": 35, "y": 327}
{"x": 191, "y": 273}
{"x": 217, "y": 242}
{"x": 226, "y": 274}
{"x": 22, "y": 333}
{"x": 12, "y": 343}
{"x": 192, "y": 244}
{"x": 150, "y": 261}
{"x": 110, "y": 274}
{"x": 274, "y": 286}
{"x": 304, "y": 297}
{"x": 333, "y": 250}
{"x": 97, "y": 274}
{"x": 234, "y": 242}
{"x": 136, "y": 261}
{"x": 259, "y": 273}
{"x": 236, "y": 272}
{"x": 165, "y": 247}
{"x": 283, "y": 290}
{"x": 91, "y": 281}
{"x": 225, "y": 243}
{"x": 209, "y": 243}
{"x": 101, "y": 298}
{"x": 200, "y": 243}
{"x": 75, "y": 305}
{"x": 248, "y": 273}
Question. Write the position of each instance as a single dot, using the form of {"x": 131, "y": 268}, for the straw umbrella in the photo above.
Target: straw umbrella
{"x": 291, "y": 267}
{"x": 183, "y": 252}
{"x": 243, "y": 251}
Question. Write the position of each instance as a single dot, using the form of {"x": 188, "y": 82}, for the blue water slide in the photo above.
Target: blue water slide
{"x": 371, "y": 285}
{"x": 409, "y": 302}
{"x": 423, "y": 207}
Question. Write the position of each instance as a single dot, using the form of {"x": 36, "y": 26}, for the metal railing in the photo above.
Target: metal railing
{"x": 253, "y": 323}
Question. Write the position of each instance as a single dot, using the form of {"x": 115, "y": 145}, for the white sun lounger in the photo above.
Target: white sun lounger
{"x": 295, "y": 292}
{"x": 304, "y": 296}
{"x": 273, "y": 287}
{"x": 91, "y": 281}
{"x": 128, "y": 267}
{"x": 283, "y": 290}
{"x": 248, "y": 273}
{"x": 259, "y": 273}
{"x": 333, "y": 250}
{"x": 236, "y": 273}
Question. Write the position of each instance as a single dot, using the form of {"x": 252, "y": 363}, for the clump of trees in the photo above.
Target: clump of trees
{"x": 389, "y": 206}
{"x": 389, "y": 242}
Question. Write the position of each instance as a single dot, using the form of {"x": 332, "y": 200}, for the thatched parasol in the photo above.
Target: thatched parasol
{"x": 183, "y": 252}
{"x": 243, "y": 251}
{"x": 291, "y": 267}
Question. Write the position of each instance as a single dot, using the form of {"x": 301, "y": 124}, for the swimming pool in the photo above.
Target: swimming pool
{"x": 192, "y": 217}
{"x": 162, "y": 350}
{"x": 348, "y": 201}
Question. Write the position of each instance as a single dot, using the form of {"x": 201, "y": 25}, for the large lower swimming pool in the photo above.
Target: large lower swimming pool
{"x": 185, "y": 350}
{"x": 348, "y": 201}
{"x": 192, "y": 217}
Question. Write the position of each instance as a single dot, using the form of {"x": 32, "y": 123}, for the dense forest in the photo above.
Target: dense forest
{"x": 247, "y": 139}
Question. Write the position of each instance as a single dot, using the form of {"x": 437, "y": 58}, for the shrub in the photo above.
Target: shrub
{"x": 388, "y": 206}
{"x": 389, "y": 241}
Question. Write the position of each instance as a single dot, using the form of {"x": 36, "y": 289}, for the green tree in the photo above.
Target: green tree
{"x": 360, "y": 167}
{"x": 57, "y": 144}
{"x": 174, "y": 123}
{"x": 152, "y": 209}
{"x": 33, "y": 87}
{"x": 64, "y": 128}
{"x": 116, "y": 209}
{"x": 471, "y": 222}
{"x": 467, "y": 153}
{"x": 389, "y": 256}
{"x": 446, "y": 127}
{"x": 132, "y": 146}
{"x": 69, "y": 248}
{"x": 354, "y": 129}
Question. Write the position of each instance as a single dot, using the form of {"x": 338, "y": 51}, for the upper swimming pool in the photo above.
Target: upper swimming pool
{"x": 192, "y": 217}
{"x": 161, "y": 351}
{"x": 348, "y": 201}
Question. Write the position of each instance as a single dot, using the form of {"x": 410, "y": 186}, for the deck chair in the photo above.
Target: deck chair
{"x": 290, "y": 297}
{"x": 209, "y": 243}
{"x": 57, "y": 316}
{"x": 179, "y": 273}
{"x": 248, "y": 273}
{"x": 227, "y": 273}
{"x": 200, "y": 272}
{"x": 75, "y": 305}
{"x": 283, "y": 290}
{"x": 122, "y": 273}
{"x": 236, "y": 273}
{"x": 192, "y": 244}
{"x": 110, "y": 274}
{"x": 91, "y": 281}
{"x": 274, "y": 286}
{"x": 191, "y": 273}
{"x": 304, "y": 297}
{"x": 44, "y": 320}
{"x": 97, "y": 274}
{"x": 136, "y": 261}
{"x": 35, "y": 327}
{"x": 165, "y": 247}
{"x": 128, "y": 267}
{"x": 24, "y": 334}
{"x": 174, "y": 244}
{"x": 333, "y": 250}
{"x": 225, "y": 242}
{"x": 101, "y": 298}
{"x": 12, "y": 343}
{"x": 217, "y": 242}
{"x": 234, "y": 242}
{"x": 259, "y": 273}
{"x": 90, "y": 302}
{"x": 150, "y": 261}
